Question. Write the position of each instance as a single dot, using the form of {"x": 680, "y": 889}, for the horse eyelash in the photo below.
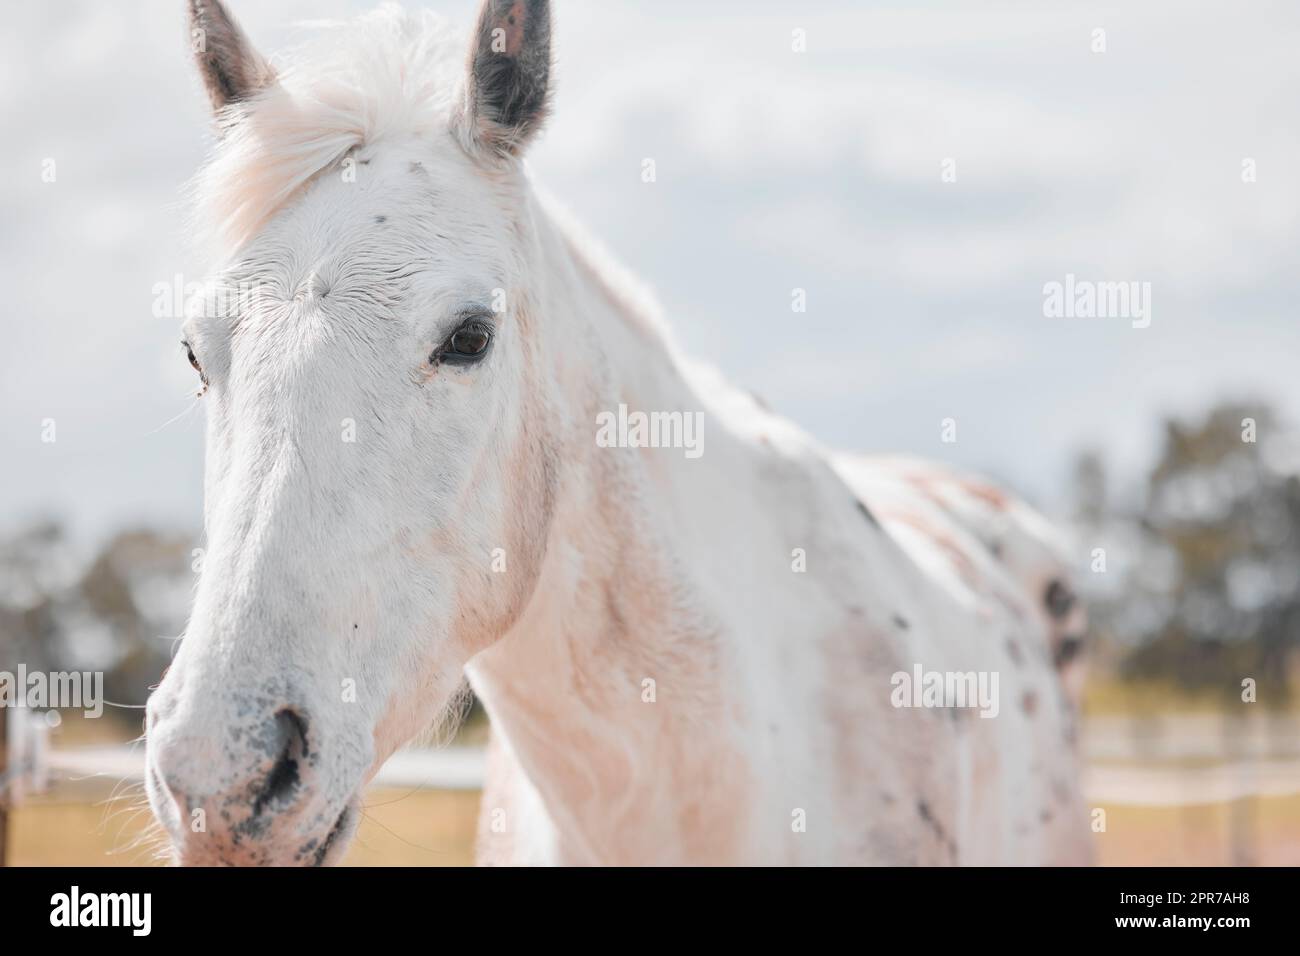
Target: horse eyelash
{"x": 203, "y": 376}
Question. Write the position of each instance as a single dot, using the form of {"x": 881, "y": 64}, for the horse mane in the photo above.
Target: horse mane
{"x": 387, "y": 73}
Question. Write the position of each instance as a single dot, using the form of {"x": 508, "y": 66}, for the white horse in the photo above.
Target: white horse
{"x": 703, "y": 654}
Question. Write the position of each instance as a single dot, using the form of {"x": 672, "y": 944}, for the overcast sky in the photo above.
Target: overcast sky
{"x": 776, "y": 169}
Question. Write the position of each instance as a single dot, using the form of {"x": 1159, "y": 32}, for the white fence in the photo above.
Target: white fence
{"x": 452, "y": 768}
{"x": 1172, "y": 762}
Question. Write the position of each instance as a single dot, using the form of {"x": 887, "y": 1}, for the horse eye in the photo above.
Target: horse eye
{"x": 467, "y": 344}
{"x": 189, "y": 354}
{"x": 470, "y": 340}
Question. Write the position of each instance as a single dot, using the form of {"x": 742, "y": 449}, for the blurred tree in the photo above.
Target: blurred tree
{"x": 116, "y": 613}
{"x": 1229, "y": 517}
{"x": 1089, "y": 488}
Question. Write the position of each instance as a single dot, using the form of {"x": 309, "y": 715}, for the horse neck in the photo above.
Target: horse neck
{"x": 612, "y": 690}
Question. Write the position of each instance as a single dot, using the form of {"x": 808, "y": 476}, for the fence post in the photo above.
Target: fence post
{"x": 4, "y": 782}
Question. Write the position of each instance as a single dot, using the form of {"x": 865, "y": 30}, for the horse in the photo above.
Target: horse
{"x": 450, "y": 443}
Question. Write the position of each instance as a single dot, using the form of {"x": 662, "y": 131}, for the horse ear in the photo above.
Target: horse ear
{"x": 231, "y": 69}
{"x": 508, "y": 72}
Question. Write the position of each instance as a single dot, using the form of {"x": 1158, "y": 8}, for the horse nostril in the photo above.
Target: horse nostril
{"x": 282, "y": 781}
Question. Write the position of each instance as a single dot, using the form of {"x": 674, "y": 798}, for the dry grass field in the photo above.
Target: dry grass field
{"x": 96, "y": 821}
{"x": 75, "y": 824}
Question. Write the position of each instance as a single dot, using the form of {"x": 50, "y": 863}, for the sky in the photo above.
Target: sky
{"x": 777, "y": 169}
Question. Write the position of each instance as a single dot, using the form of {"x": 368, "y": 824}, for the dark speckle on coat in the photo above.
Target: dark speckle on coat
{"x": 1070, "y": 647}
{"x": 928, "y": 818}
{"x": 1013, "y": 649}
{"x": 1059, "y": 599}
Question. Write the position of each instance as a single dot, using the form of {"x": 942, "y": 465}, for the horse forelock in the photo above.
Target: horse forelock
{"x": 389, "y": 74}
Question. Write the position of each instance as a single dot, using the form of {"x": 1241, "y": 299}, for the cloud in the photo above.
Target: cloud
{"x": 775, "y": 169}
